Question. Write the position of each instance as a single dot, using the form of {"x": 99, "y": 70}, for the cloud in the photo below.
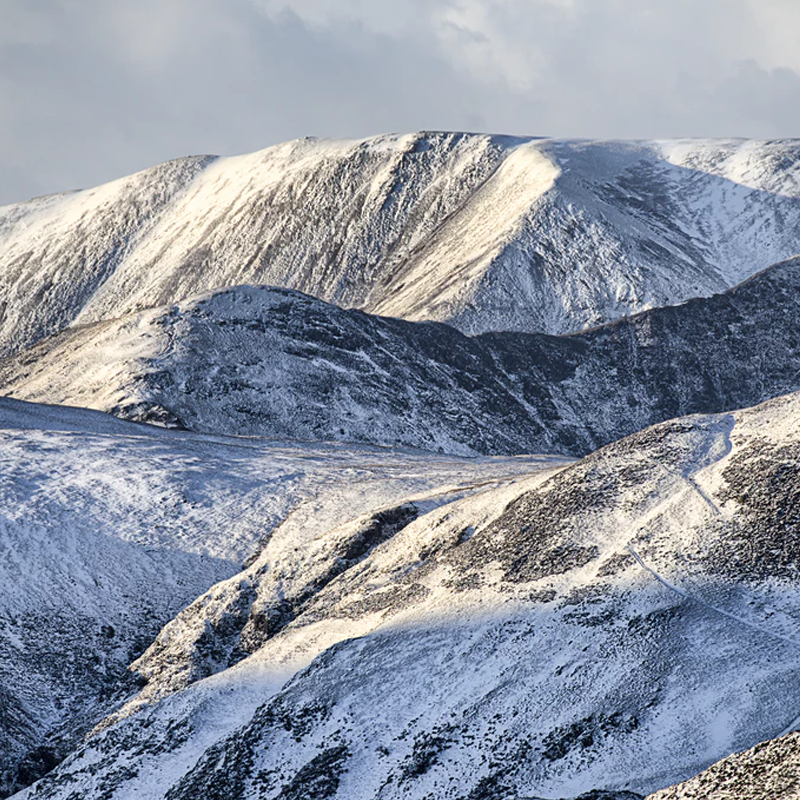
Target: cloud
{"x": 95, "y": 89}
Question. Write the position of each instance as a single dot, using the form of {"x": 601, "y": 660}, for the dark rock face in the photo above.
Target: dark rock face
{"x": 248, "y": 617}
{"x": 78, "y": 687}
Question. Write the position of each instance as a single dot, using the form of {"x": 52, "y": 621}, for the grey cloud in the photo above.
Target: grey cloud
{"x": 93, "y": 90}
{"x": 83, "y": 111}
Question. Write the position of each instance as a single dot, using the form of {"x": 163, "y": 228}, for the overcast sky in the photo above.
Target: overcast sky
{"x": 95, "y": 89}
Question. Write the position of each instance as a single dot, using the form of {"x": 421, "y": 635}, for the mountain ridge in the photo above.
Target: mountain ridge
{"x": 588, "y": 633}
{"x": 110, "y": 528}
{"x": 309, "y": 370}
{"x": 485, "y": 232}
{"x": 371, "y": 603}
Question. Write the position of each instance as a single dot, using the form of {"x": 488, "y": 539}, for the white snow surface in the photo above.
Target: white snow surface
{"x": 335, "y": 620}
{"x": 109, "y": 528}
{"x": 258, "y": 360}
{"x": 619, "y": 624}
{"x": 485, "y": 232}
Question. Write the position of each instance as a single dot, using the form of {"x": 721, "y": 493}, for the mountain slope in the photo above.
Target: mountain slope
{"x": 768, "y": 771}
{"x": 485, "y": 232}
{"x": 619, "y": 625}
{"x": 263, "y": 361}
{"x": 109, "y": 529}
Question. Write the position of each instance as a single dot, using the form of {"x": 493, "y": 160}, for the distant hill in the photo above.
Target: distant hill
{"x": 272, "y": 362}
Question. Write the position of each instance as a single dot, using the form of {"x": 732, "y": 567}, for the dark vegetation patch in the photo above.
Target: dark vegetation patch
{"x": 492, "y": 787}
{"x": 216, "y": 640}
{"x": 464, "y": 583}
{"x": 539, "y": 534}
{"x": 590, "y": 619}
{"x": 298, "y": 722}
{"x": 319, "y": 779}
{"x": 138, "y": 736}
{"x": 585, "y": 733}
{"x": 763, "y": 540}
{"x": 403, "y": 594}
{"x": 655, "y": 624}
{"x": 227, "y": 768}
{"x": 617, "y": 563}
{"x": 427, "y": 748}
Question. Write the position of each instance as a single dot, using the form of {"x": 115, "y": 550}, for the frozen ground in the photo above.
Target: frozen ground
{"x": 266, "y": 361}
{"x": 617, "y": 625}
{"x": 193, "y": 615}
{"x": 768, "y": 771}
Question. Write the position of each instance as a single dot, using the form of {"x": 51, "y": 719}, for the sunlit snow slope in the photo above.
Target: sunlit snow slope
{"x": 257, "y": 360}
{"x": 203, "y": 613}
{"x": 620, "y": 624}
{"x": 108, "y": 529}
{"x": 485, "y": 232}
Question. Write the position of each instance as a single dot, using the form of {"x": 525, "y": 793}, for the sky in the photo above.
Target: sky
{"x": 91, "y": 90}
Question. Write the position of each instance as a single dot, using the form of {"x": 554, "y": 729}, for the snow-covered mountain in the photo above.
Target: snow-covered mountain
{"x": 257, "y": 360}
{"x": 109, "y": 529}
{"x": 618, "y": 625}
{"x": 484, "y": 232}
{"x": 191, "y": 610}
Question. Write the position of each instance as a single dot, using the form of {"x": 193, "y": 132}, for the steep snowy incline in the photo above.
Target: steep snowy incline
{"x": 626, "y": 226}
{"x": 485, "y": 232}
{"x": 258, "y": 360}
{"x": 619, "y": 625}
{"x": 108, "y": 529}
{"x": 58, "y": 250}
